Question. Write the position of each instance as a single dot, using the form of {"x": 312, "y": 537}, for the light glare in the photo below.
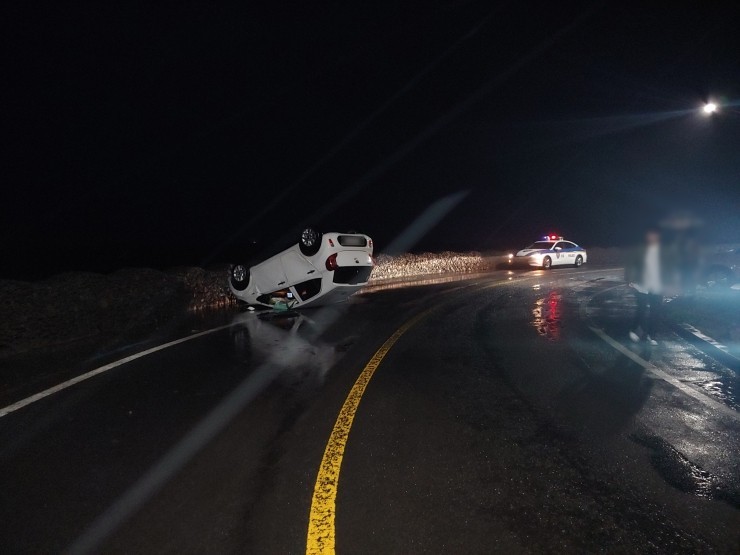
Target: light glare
{"x": 710, "y": 108}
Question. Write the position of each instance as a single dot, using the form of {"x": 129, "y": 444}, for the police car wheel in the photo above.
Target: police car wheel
{"x": 310, "y": 241}
{"x": 239, "y": 276}
{"x": 546, "y": 263}
{"x": 579, "y": 261}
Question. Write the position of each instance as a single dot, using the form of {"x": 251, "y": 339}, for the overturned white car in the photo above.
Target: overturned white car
{"x": 320, "y": 269}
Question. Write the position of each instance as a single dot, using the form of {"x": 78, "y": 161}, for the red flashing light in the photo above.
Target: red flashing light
{"x": 331, "y": 262}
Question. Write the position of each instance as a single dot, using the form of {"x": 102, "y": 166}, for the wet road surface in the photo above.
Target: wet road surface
{"x": 514, "y": 416}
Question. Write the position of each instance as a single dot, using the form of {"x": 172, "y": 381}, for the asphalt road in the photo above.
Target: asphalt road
{"x": 510, "y": 415}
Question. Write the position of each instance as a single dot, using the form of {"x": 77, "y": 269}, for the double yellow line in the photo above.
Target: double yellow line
{"x": 321, "y": 524}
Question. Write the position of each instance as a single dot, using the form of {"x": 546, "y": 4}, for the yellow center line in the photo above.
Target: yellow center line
{"x": 321, "y": 527}
{"x": 321, "y": 538}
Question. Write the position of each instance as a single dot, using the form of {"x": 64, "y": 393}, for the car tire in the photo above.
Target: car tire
{"x": 546, "y": 263}
{"x": 310, "y": 241}
{"x": 239, "y": 276}
{"x": 718, "y": 277}
{"x": 579, "y": 261}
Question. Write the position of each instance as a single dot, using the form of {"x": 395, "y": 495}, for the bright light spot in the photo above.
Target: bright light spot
{"x": 709, "y": 108}
{"x": 414, "y": 265}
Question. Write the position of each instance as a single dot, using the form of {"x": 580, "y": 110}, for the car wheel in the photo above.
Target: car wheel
{"x": 239, "y": 276}
{"x": 310, "y": 241}
{"x": 546, "y": 263}
{"x": 718, "y": 277}
{"x": 579, "y": 261}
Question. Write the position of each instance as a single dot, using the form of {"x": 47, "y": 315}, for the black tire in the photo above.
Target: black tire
{"x": 546, "y": 263}
{"x": 239, "y": 276}
{"x": 718, "y": 277}
{"x": 310, "y": 241}
{"x": 579, "y": 261}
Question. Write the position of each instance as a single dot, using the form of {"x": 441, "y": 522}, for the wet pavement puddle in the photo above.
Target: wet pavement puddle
{"x": 682, "y": 474}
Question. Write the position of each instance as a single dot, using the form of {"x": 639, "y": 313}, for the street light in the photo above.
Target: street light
{"x": 709, "y": 108}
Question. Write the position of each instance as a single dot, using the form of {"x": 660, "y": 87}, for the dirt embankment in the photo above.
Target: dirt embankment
{"x": 79, "y": 305}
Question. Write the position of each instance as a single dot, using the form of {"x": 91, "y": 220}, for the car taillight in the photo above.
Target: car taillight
{"x": 331, "y": 262}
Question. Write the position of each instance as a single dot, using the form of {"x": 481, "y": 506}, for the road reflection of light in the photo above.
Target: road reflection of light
{"x": 226, "y": 301}
{"x": 546, "y": 316}
{"x": 284, "y": 340}
{"x": 723, "y": 389}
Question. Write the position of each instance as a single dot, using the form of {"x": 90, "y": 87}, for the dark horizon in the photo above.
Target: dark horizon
{"x": 141, "y": 136}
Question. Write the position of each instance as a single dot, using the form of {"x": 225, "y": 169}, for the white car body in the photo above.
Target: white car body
{"x": 339, "y": 267}
{"x": 550, "y": 251}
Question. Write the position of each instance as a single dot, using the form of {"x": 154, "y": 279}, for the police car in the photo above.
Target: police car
{"x": 550, "y": 251}
{"x": 319, "y": 269}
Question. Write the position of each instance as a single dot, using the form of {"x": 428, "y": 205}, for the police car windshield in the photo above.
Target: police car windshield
{"x": 541, "y": 245}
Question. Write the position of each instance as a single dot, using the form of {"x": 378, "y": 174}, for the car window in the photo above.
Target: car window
{"x": 541, "y": 245}
{"x": 308, "y": 289}
{"x": 568, "y": 245}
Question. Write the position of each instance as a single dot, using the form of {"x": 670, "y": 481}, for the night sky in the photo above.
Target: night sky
{"x": 139, "y": 134}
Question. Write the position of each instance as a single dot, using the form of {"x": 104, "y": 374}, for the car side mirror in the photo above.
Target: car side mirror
{"x": 558, "y": 248}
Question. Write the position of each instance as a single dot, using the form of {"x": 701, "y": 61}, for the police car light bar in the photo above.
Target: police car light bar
{"x": 552, "y": 238}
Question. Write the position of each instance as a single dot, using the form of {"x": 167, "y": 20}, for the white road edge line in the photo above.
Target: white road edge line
{"x": 704, "y": 337}
{"x": 97, "y": 371}
{"x": 651, "y": 369}
{"x": 657, "y": 373}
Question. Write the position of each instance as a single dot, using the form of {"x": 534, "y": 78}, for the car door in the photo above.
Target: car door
{"x": 560, "y": 253}
{"x": 269, "y": 276}
{"x": 570, "y": 250}
{"x": 297, "y": 269}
